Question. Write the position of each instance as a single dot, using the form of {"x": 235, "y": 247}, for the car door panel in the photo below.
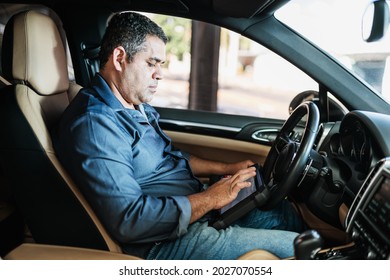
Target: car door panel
{"x": 220, "y": 136}
{"x": 217, "y": 148}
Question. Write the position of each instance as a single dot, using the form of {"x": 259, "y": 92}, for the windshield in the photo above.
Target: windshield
{"x": 335, "y": 26}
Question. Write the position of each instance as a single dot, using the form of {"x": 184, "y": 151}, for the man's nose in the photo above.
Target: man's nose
{"x": 158, "y": 75}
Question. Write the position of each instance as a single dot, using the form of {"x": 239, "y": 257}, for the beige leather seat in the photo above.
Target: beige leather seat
{"x": 30, "y": 251}
{"x": 34, "y": 59}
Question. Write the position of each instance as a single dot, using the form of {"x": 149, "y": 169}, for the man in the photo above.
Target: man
{"x": 144, "y": 190}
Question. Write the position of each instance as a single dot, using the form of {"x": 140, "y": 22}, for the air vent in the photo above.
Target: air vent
{"x": 265, "y": 135}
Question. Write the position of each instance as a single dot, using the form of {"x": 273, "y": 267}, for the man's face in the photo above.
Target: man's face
{"x": 140, "y": 77}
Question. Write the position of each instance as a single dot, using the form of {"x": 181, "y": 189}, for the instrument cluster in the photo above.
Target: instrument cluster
{"x": 353, "y": 142}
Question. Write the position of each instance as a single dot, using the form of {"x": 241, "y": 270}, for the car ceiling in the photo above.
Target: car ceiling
{"x": 230, "y": 8}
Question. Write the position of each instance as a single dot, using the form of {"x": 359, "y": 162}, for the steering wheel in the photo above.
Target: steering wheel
{"x": 287, "y": 158}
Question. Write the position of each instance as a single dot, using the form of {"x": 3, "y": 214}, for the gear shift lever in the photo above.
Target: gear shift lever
{"x": 307, "y": 245}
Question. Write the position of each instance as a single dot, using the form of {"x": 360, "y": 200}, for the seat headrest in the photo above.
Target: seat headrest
{"x": 33, "y": 53}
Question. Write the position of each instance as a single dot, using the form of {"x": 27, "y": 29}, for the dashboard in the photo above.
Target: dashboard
{"x": 361, "y": 141}
{"x": 350, "y": 150}
{"x": 357, "y": 153}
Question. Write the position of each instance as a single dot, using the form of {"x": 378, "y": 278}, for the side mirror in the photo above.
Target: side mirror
{"x": 301, "y": 97}
{"x": 375, "y": 21}
{"x": 336, "y": 112}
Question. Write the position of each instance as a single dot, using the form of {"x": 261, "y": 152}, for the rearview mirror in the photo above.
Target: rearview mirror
{"x": 375, "y": 21}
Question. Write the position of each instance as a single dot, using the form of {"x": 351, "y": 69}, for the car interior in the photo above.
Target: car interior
{"x": 330, "y": 158}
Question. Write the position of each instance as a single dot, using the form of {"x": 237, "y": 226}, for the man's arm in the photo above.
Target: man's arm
{"x": 219, "y": 194}
{"x": 202, "y": 167}
{"x": 99, "y": 156}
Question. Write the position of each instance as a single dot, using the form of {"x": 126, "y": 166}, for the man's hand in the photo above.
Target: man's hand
{"x": 226, "y": 190}
{"x": 220, "y": 194}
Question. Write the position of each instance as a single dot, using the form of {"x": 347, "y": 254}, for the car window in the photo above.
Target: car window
{"x": 326, "y": 24}
{"x": 252, "y": 80}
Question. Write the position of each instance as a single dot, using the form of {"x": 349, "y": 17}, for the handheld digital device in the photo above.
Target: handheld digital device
{"x": 246, "y": 200}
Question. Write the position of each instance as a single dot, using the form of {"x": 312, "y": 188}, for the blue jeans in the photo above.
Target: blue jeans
{"x": 272, "y": 230}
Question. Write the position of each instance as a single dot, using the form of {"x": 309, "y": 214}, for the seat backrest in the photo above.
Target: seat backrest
{"x": 34, "y": 60}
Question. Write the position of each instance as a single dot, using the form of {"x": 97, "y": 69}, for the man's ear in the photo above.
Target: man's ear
{"x": 118, "y": 58}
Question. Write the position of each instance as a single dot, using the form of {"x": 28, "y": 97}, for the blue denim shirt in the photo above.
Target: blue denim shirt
{"x": 125, "y": 166}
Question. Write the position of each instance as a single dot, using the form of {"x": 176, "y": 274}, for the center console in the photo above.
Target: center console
{"x": 368, "y": 220}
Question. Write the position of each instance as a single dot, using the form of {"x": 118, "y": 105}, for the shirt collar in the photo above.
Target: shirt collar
{"x": 104, "y": 91}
